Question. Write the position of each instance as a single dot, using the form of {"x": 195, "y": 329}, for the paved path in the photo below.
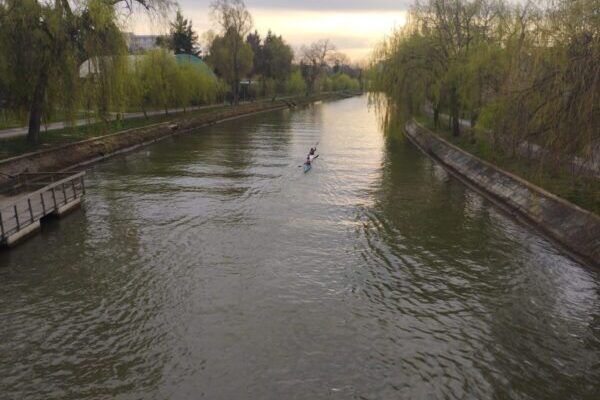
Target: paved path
{"x": 14, "y": 132}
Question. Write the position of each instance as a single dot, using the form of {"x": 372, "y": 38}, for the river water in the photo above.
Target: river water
{"x": 210, "y": 266}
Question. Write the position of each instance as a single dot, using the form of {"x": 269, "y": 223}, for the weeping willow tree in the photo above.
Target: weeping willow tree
{"x": 551, "y": 96}
{"x": 426, "y": 61}
{"x": 42, "y": 45}
{"x": 157, "y": 81}
{"x": 522, "y": 73}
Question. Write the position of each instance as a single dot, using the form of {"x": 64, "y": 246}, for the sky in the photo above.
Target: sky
{"x": 353, "y": 26}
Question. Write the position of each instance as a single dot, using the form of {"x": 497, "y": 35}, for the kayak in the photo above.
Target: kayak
{"x": 307, "y": 166}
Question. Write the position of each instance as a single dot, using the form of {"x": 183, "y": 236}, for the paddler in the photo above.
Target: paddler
{"x": 312, "y": 151}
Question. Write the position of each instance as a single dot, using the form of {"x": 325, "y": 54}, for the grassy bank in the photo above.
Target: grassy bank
{"x": 18, "y": 145}
{"x": 583, "y": 191}
{"x": 9, "y": 120}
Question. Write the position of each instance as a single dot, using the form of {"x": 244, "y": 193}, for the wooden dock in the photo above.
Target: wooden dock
{"x": 42, "y": 195}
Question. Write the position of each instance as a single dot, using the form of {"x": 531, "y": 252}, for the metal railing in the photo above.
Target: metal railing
{"x": 24, "y": 210}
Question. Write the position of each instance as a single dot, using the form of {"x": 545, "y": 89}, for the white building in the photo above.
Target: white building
{"x": 141, "y": 43}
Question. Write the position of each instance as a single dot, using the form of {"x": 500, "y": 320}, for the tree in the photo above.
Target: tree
{"x": 272, "y": 60}
{"x": 429, "y": 59}
{"x": 157, "y": 73}
{"x": 314, "y": 61}
{"x": 255, "y": 42}
{"x": 230, "y": 65}
{"x": 48, "y": 41}
{"x": 277, "y": 59}
{"x": 157, "y": 81}
{"x": 295, "y": 84}
{"x": 183, "y": 39}
{"x": 236, "y": 22}
{"x": 338, "y": 60}
{"x": 523, "y": 72}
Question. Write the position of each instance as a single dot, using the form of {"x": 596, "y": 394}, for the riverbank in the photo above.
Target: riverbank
{"x": 580, "y": 186}
{"x": 13, "y": 146}
{"x": 578, "y": 230}
{"x": 88, "y": 122}
{"x": 79, "y": 152}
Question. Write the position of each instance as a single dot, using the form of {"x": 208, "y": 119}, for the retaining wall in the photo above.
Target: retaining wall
{"x": 576, "y": 229}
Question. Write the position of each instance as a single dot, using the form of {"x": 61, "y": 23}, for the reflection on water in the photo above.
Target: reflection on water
{"x": 210, "y": 266}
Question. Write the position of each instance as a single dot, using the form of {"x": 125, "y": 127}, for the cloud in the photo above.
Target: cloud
{"x": 354, "y": 30}
{"x": 315, "y": 5}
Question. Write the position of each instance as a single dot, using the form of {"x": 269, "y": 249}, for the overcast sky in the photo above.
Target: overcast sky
{"x": 354, "y": 26}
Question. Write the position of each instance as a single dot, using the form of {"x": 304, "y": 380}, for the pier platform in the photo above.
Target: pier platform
{"x": 35, "y": 197}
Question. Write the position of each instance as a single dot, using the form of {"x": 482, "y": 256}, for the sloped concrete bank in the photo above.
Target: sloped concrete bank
{"x": 577, "y": 230}
{"x": 91, "y": 150}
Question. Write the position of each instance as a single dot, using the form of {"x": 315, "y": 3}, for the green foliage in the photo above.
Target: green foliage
{"x": 343, "y": 82}
{"x": 157, "y": 81}
{"x": 183, "y": 39}
{"x": 519, "y": 73}
{"x": 295, "y": 84}
{"x": 272, "y": 62}
{"x": 277, "y": 58}
{"x": 229, "y": 62}
{"x": 229, "y": 53}
{"x": 42, "y": 45}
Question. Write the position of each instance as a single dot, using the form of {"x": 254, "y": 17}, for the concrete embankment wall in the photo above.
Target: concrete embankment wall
{"x": 576, "y": 229}
{"x": 94, "y": 149}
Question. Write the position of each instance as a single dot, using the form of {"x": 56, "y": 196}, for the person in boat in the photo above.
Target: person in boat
{"x": 312, "y": 151}
{"x": 308, "y": 161}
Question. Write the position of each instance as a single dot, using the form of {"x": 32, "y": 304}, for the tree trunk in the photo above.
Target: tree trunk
{"x": 454, "y": 112}
{"x": 436, "y": 117}
{"x": 474, "y": 117}
{"x": 37, "y": 108}
{"x": 235, "y": 89}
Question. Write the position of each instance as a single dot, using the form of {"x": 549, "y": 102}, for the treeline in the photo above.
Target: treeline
{"x": 518, "y": 72}
{"x": 60, "y": 58}
{"x": 158, "y": 81}
{"x": 267, "y": 65}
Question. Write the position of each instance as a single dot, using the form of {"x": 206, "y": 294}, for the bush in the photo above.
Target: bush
{"x": 344, "y": 82}
{"x": 295, "y": 84}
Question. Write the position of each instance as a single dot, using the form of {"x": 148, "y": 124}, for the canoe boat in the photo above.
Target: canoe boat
{"x": 307, "y": 167}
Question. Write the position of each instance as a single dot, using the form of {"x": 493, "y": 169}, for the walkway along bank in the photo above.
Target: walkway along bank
{"x": 574, "y": 228}
{"x": 32, "y": 206}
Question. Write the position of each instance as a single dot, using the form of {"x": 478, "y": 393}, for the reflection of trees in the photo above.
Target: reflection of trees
{"x": 450, "y": 252}
{"x": 232, "y": 144}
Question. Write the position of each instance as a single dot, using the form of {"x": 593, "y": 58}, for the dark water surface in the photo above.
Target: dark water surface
{"x": 209, "y": 266}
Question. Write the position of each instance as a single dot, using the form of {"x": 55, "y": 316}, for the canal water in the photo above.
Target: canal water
{"x": 210, "y": 266}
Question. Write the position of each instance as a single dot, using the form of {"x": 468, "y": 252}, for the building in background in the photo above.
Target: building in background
{"x": 90, "y": 67}
{"x": 141, "y": 43}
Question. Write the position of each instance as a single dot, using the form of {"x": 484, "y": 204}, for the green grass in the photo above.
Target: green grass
{"x": 18, "y": 145}
{"x": 583, "y": 191}
{"x": 8, "y": 120}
